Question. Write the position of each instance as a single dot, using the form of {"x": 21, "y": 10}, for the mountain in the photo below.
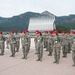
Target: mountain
{"x": 21, "y": 21}
{"x": 66, "y": 21}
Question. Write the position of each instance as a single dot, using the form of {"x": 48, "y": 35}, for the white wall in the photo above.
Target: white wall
{"x": 41, "y": 24}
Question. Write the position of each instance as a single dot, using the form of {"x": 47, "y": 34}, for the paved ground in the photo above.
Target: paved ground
{"x": 18, "y": 66}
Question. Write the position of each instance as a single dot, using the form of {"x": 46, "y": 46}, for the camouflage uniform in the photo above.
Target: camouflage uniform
{"x": 17, "y": 37}
{"x": 29, "y": 41}
{"x": 2, "y": 44}
{"x": 12, "y": 42}
{"x": 35, "y": 40}
{"x": 40, "y": 47}
{"x": 7, "y": 41}
{"x": 45, "y": 37}
{"x": 24, "y": 41}
{"x": 69, "y": 43}
{"x": 64, "y": 43}
{"x": 46, "y": 42}
{"x": 73, "y": 51}
{"x": 50, "y": 44}
{"x": 56, "y": 49}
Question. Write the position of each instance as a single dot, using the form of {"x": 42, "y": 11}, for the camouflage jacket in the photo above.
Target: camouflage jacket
{"x": 50, "y": 39}
{"x": 12, "y": 39}
{"x": 64, "y": 40}
{"x": 56, "y": 41}
{"x": 24, "y": 40}
{"x": 40, "y": 41}
{"x": 2, "y": 39}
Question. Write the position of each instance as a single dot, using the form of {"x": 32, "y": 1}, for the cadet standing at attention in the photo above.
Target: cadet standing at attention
{"x": 64, "y": 43}
{"x": 24, "y": 41}
{"x": 69, "y": 42}
{"x": 2, "y": 40}
{"x": 29, "y": 39}
{"x": 45, "y": 40}
{"x": 40, "y": 44}
{"x": 57, "y": 47}
{"x": 35, "y": 40}
{"x": 7, "y": 41}
{"x": 50, "y": 43}
{"x": 12, "y": 42}
{"x": 17, "y": 37}
{"x": 73, "y": 49}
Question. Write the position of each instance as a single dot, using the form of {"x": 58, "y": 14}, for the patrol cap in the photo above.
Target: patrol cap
{"x": 0, "y": 32}
{"x": 12, "y": 31}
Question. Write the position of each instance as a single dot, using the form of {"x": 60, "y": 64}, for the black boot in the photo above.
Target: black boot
{"x": 73, "y": 64}
{"x": 38, "y": 60}
{"x": 23, "y": 58}
{"x": 48, "y": 54}
{"x": 55, "y": 61}
{"x": 11, "y": 55}
{"x": 2, "y": 54}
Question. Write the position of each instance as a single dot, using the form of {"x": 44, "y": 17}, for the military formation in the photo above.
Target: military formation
{"x": 51, "y": 41}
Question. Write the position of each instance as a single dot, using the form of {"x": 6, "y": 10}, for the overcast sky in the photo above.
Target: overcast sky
{"x": 9, "y": 8}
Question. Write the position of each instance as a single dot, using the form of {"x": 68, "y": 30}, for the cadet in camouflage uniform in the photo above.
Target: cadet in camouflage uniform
{"x": 73, "y": 50}
{"x": 29, "y": 40}
{"x": 50, "y": 43}
{"x": 17, "y": 37}
{"x": 64, "y": 43}
{"x": 57, "y": 47}
{"x": 40, "y": 44}
{"x": 45, "y": 40}
{"x": 69, "y": 41}
{"x": 12, "y": 42}
{"x": 2, "y": 39}
{"x": 35, "y": 40}
{"x": 24, "y": 41}
{"x": 7, "y": 41}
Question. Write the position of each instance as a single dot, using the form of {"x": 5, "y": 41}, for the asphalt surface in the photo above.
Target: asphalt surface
{"x": 17, "y": 66}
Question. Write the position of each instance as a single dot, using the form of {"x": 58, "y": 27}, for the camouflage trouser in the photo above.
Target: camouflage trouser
{"x": 12, "y": 46}
{"x": 36, "y": 47}
{"x": 57, "y": 53}
{"x": 44, "y": 43}
{"x": 40, "y": 52}
{"x": 28, "y": 46}
{"x": 25, "y": 50}
{"x": 17, "y": 45}
{"x": 2, "y": 48}
{"x": 65, "y": 49}
{"x": 7, "y": 43}
{"x": 73, "y": 56}
{"x": 50, "y": 48}
{"x": 69, "y": 47}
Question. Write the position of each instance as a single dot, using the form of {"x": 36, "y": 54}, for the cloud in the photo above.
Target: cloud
{"x": 10, "y": 8}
